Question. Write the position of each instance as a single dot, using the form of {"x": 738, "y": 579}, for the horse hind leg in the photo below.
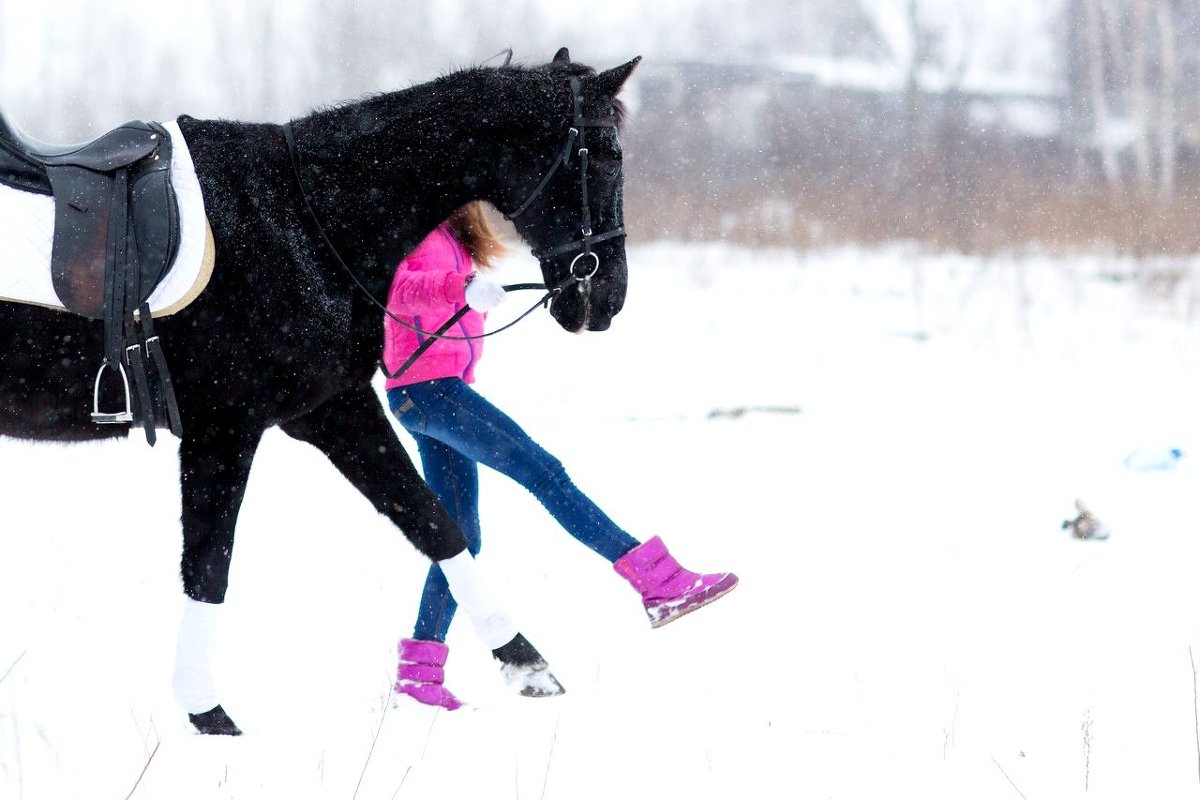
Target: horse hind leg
{"x": 213, "y": 473}
{"x": 353, "y": 432}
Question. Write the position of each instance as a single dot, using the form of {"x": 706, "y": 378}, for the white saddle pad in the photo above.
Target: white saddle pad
{"x": 27, "y": 236}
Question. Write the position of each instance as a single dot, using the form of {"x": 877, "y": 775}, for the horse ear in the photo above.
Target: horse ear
{"x": 562, "y": 56}
{"x": 611, "y": 81}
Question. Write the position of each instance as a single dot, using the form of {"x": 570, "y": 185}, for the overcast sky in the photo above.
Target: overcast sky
{"x": 105, "y": 59}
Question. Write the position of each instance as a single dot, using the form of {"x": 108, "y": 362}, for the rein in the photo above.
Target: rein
{"x": 291, "y": 145}
{"x": 583, "y": 278}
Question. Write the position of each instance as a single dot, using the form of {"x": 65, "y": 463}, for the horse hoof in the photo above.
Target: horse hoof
{"x": 525, "y": 671}
{"x": 532, "y": 680}
{"x": 215, "y": 721}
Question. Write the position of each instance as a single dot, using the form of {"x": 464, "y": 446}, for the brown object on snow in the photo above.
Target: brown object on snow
{"x": 1085, "y": 525}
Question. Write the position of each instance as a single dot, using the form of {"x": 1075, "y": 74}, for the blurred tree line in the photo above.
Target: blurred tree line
{"x": 774, "y": 123}
{"x": 880, "y": 142}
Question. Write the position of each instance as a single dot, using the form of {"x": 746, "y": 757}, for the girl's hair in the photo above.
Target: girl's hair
{"x": 471, "y": 226}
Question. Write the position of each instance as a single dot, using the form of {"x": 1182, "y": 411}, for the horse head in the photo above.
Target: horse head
{"x": 562, "y": 189}
{"x": 541, "y": 144}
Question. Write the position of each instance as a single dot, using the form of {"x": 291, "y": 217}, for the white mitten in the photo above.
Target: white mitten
{"x": 483, "y": 293}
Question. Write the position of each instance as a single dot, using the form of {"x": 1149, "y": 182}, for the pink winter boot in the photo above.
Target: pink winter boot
{"x": 668, "y": 590}
{"x": 420, "y": 673}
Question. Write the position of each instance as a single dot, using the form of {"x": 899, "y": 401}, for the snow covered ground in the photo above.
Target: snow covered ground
{"x": 882, "y": 444}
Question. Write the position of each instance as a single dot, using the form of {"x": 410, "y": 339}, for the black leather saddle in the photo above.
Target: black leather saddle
{"x": 116, "y": 233}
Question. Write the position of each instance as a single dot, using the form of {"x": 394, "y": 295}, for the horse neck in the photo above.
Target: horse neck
{"x": 385, "y": 171}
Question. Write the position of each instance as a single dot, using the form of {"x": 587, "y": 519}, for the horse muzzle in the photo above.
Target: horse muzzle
{"x": 588, "y": 303}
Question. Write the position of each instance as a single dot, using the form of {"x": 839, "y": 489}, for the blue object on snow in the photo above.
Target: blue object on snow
{"x": 1148, "y": 460}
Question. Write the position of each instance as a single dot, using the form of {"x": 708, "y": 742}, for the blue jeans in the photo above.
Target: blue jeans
{"x": 456, "y": 429}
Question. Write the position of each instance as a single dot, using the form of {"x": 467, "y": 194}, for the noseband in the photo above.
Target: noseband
{"x": 582, "y": 274}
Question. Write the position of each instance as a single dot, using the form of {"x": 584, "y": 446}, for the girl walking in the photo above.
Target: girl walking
{"x": 456, "y": 429}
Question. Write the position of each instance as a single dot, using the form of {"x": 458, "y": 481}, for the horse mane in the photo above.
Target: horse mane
{"x": 620, "y": 111}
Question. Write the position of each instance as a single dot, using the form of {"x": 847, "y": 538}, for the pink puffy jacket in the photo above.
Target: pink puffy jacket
{"x": 426, "y": 291}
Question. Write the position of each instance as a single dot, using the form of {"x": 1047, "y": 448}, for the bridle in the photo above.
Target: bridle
{"x": 580, "y": 277}
{"x": 578, "y": 130}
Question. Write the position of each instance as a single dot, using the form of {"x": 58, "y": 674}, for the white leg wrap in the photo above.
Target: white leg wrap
{"x": 471, "y": 592}
{"x": 195, "y": 650}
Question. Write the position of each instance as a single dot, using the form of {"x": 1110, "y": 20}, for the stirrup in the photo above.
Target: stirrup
{"x": 116, "y": 417}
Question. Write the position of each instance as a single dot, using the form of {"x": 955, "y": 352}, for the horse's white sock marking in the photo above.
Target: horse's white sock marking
{"x": 471, "y": 592}
{"x": 195, "y": 650}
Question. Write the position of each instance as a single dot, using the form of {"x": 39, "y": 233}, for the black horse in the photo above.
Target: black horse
{"x": 305, "y": 217}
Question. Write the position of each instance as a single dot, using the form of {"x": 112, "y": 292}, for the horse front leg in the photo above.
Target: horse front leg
{"x": 352, "y": 430}
{"x": 214, "y": 464}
